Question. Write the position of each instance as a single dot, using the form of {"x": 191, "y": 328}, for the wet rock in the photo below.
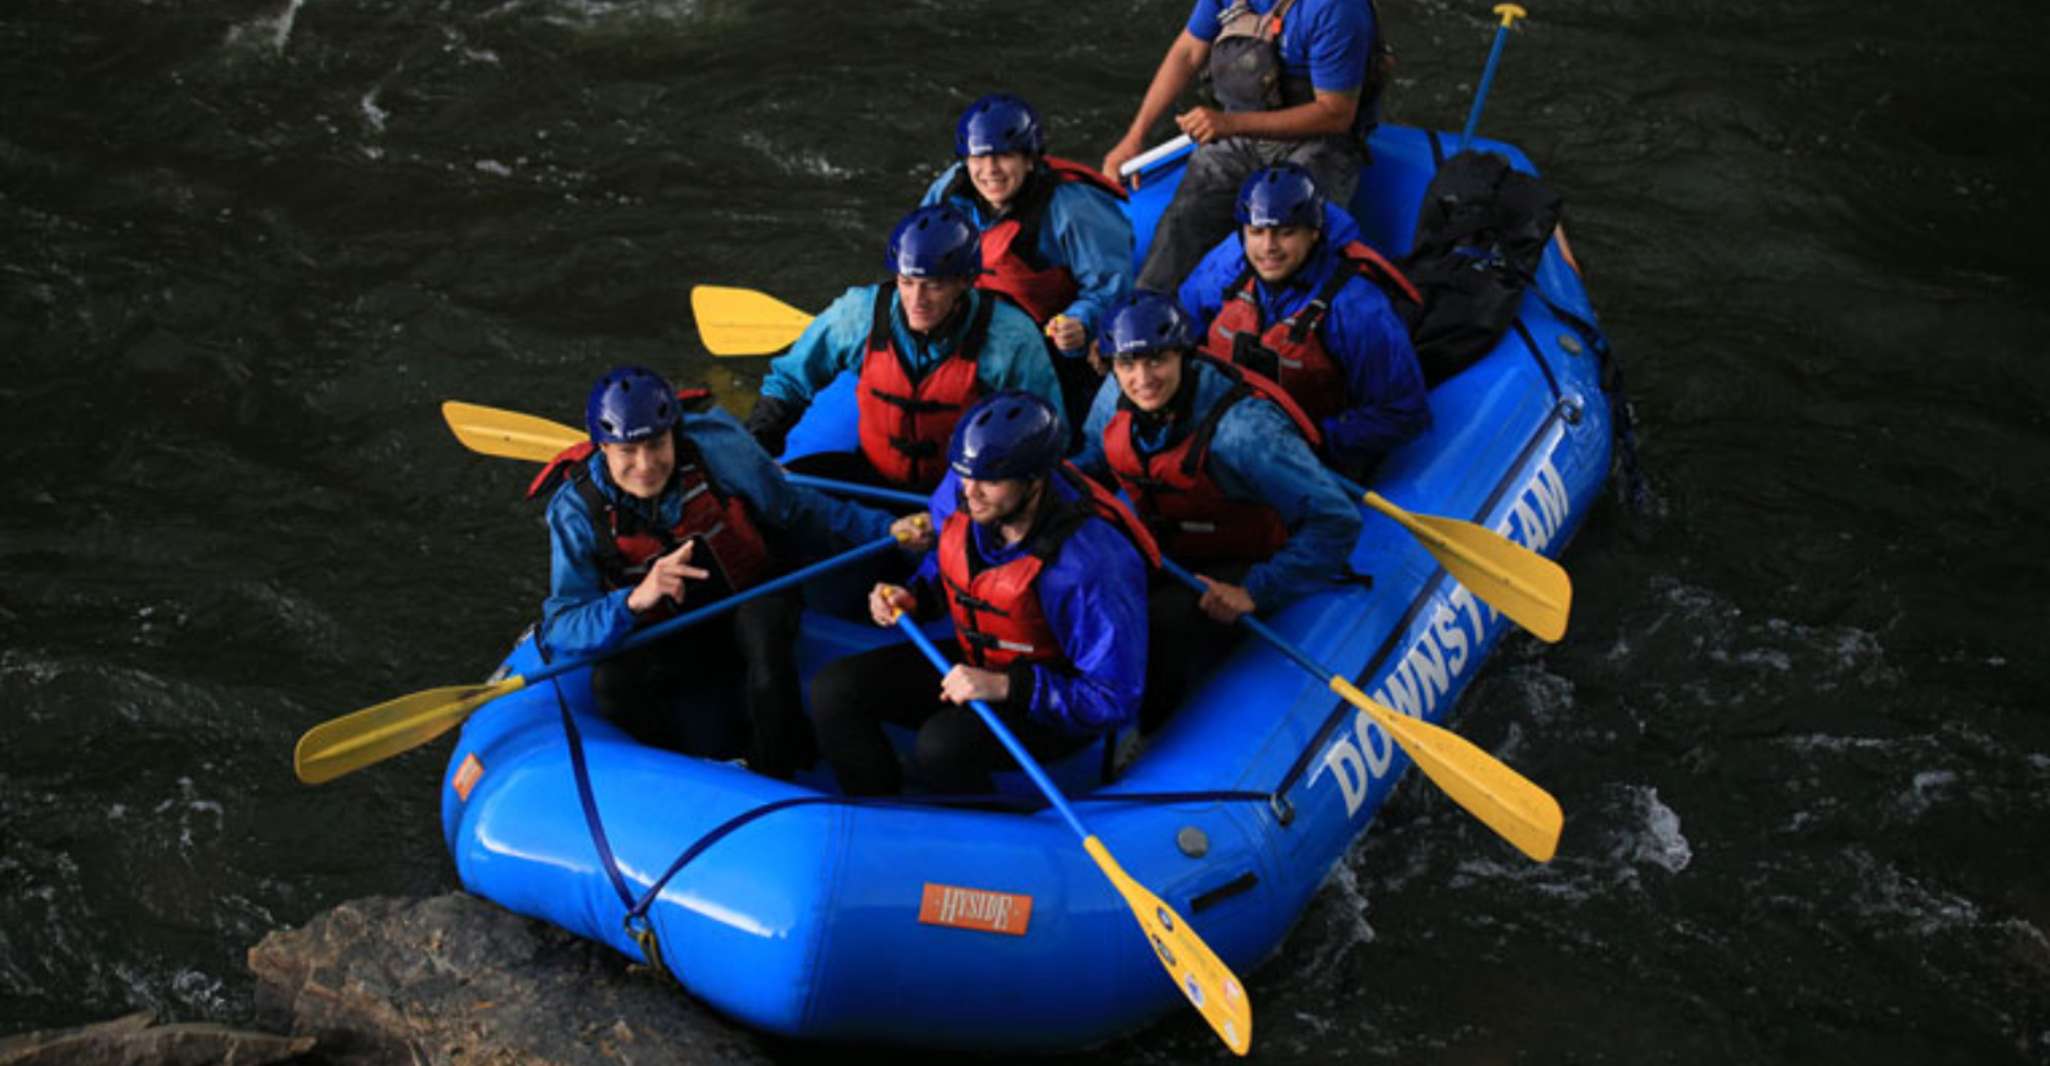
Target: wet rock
{"x": 136, "y": 1040}
{"x": 454, "y": 979}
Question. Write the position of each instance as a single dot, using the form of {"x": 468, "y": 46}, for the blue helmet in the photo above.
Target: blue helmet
{"x": 935, "y": 242}
{"x": 1145, "y": 322}
{"x": 630, "y": 403}
{"x": 997, "y": 123}
{"x": 1280, "y": 195}
{"x": 1012, "y": 434}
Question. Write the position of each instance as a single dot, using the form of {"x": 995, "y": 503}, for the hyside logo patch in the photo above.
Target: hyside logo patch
{"x": 466, "y": 776}
{"x": 974, "y": 908}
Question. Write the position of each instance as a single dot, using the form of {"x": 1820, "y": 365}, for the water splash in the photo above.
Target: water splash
{"x": 265, "y": 33}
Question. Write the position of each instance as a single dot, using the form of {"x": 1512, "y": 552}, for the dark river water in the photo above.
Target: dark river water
{"x": 1798, "y": 727}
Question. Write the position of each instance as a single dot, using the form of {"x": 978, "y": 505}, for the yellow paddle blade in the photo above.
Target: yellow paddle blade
{"x": 1532, "y": 590}
{"x": 507, "y": 434}
{"x": 1197, "y": 971}
{"x": 1504, "y": 800}
{"x": 373, "y": 734}
{"x": 743, "y": 321}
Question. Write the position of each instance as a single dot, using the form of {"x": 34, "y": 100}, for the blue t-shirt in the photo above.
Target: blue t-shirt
{"x": 1327, "y": 41}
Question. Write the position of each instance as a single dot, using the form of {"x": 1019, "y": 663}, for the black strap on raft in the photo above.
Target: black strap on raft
{"x": 636, "y": 921}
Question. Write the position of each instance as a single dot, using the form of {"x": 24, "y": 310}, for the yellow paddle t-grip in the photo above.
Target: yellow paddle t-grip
{"x": 1510, "y": 13}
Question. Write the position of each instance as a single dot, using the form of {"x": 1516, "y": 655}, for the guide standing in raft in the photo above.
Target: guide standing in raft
{"x": 1294, "y": 80}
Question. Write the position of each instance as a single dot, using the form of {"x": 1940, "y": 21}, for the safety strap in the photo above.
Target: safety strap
{"x": 637, "y": 926}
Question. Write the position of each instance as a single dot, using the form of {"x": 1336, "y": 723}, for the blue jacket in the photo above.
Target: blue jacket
{"x": 1013, "y": 357}
{"x": 1257, "y": 454}
{"x": 581, "y": 616}
{"x": 1383, "y": 381}
{"x": 1082, "y": 229}
{"x": 1093, "y": 595}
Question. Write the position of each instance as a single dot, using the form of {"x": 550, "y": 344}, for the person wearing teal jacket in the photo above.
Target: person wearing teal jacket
{"x": 925, "y": 348}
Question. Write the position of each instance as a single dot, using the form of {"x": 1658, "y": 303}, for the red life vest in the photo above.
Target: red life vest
{"x": 1291, "y": 352}
{"x": 1174, "y": 490}
{"x": 997, "y": 617}
{"x": 905, "y": 425}
{"x": 730, "y": 544}
{"x": 1042, "y": 293}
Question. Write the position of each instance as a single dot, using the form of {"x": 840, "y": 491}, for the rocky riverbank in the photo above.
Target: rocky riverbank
{"x": 446, "y": 980}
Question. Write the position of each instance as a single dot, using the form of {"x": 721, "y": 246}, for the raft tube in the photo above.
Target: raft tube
{"x": 799, "y": 912}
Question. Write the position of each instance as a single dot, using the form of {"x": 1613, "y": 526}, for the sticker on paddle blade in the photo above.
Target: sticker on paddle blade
{"x": 1202, "y": 977}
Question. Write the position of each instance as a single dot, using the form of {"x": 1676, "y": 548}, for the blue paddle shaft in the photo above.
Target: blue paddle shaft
{"x": 710, "y": 610}
{"x": 849, "y": 488}
{"x": 1173, "y": 569}
{"x": 1280, "y": 643}
{"x": 1266, "y": 633}
{"x": 1480, "y": 96}
{"x": 996, "y": 726}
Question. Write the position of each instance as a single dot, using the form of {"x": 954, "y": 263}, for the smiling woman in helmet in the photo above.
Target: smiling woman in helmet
{"x": 1044, "y": 574}
{"x": 1053, "y": 237}
{"x": 1222, "y": 466}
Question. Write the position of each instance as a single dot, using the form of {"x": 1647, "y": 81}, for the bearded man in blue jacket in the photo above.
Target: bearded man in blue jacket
{"x": 1044, "y": 574}
{"x": 667, "y": 507}
{"x": 1297, "y": 296}
{"x": 1221, "y": 465}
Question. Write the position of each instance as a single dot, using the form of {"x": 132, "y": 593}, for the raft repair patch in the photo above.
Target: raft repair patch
{"x": 466, "y": 776}
{"x": 976, "y": 909}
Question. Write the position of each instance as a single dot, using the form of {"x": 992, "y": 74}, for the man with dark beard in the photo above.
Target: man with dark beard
{"x": 1044, "y": 573}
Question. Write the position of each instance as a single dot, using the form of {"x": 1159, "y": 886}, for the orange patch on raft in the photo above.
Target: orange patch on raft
{"x": 974, "y": 908}
{"x": 467, "y": 775}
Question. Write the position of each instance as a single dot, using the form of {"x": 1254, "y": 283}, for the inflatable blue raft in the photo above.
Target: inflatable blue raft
{"x": 803, "y": 913}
